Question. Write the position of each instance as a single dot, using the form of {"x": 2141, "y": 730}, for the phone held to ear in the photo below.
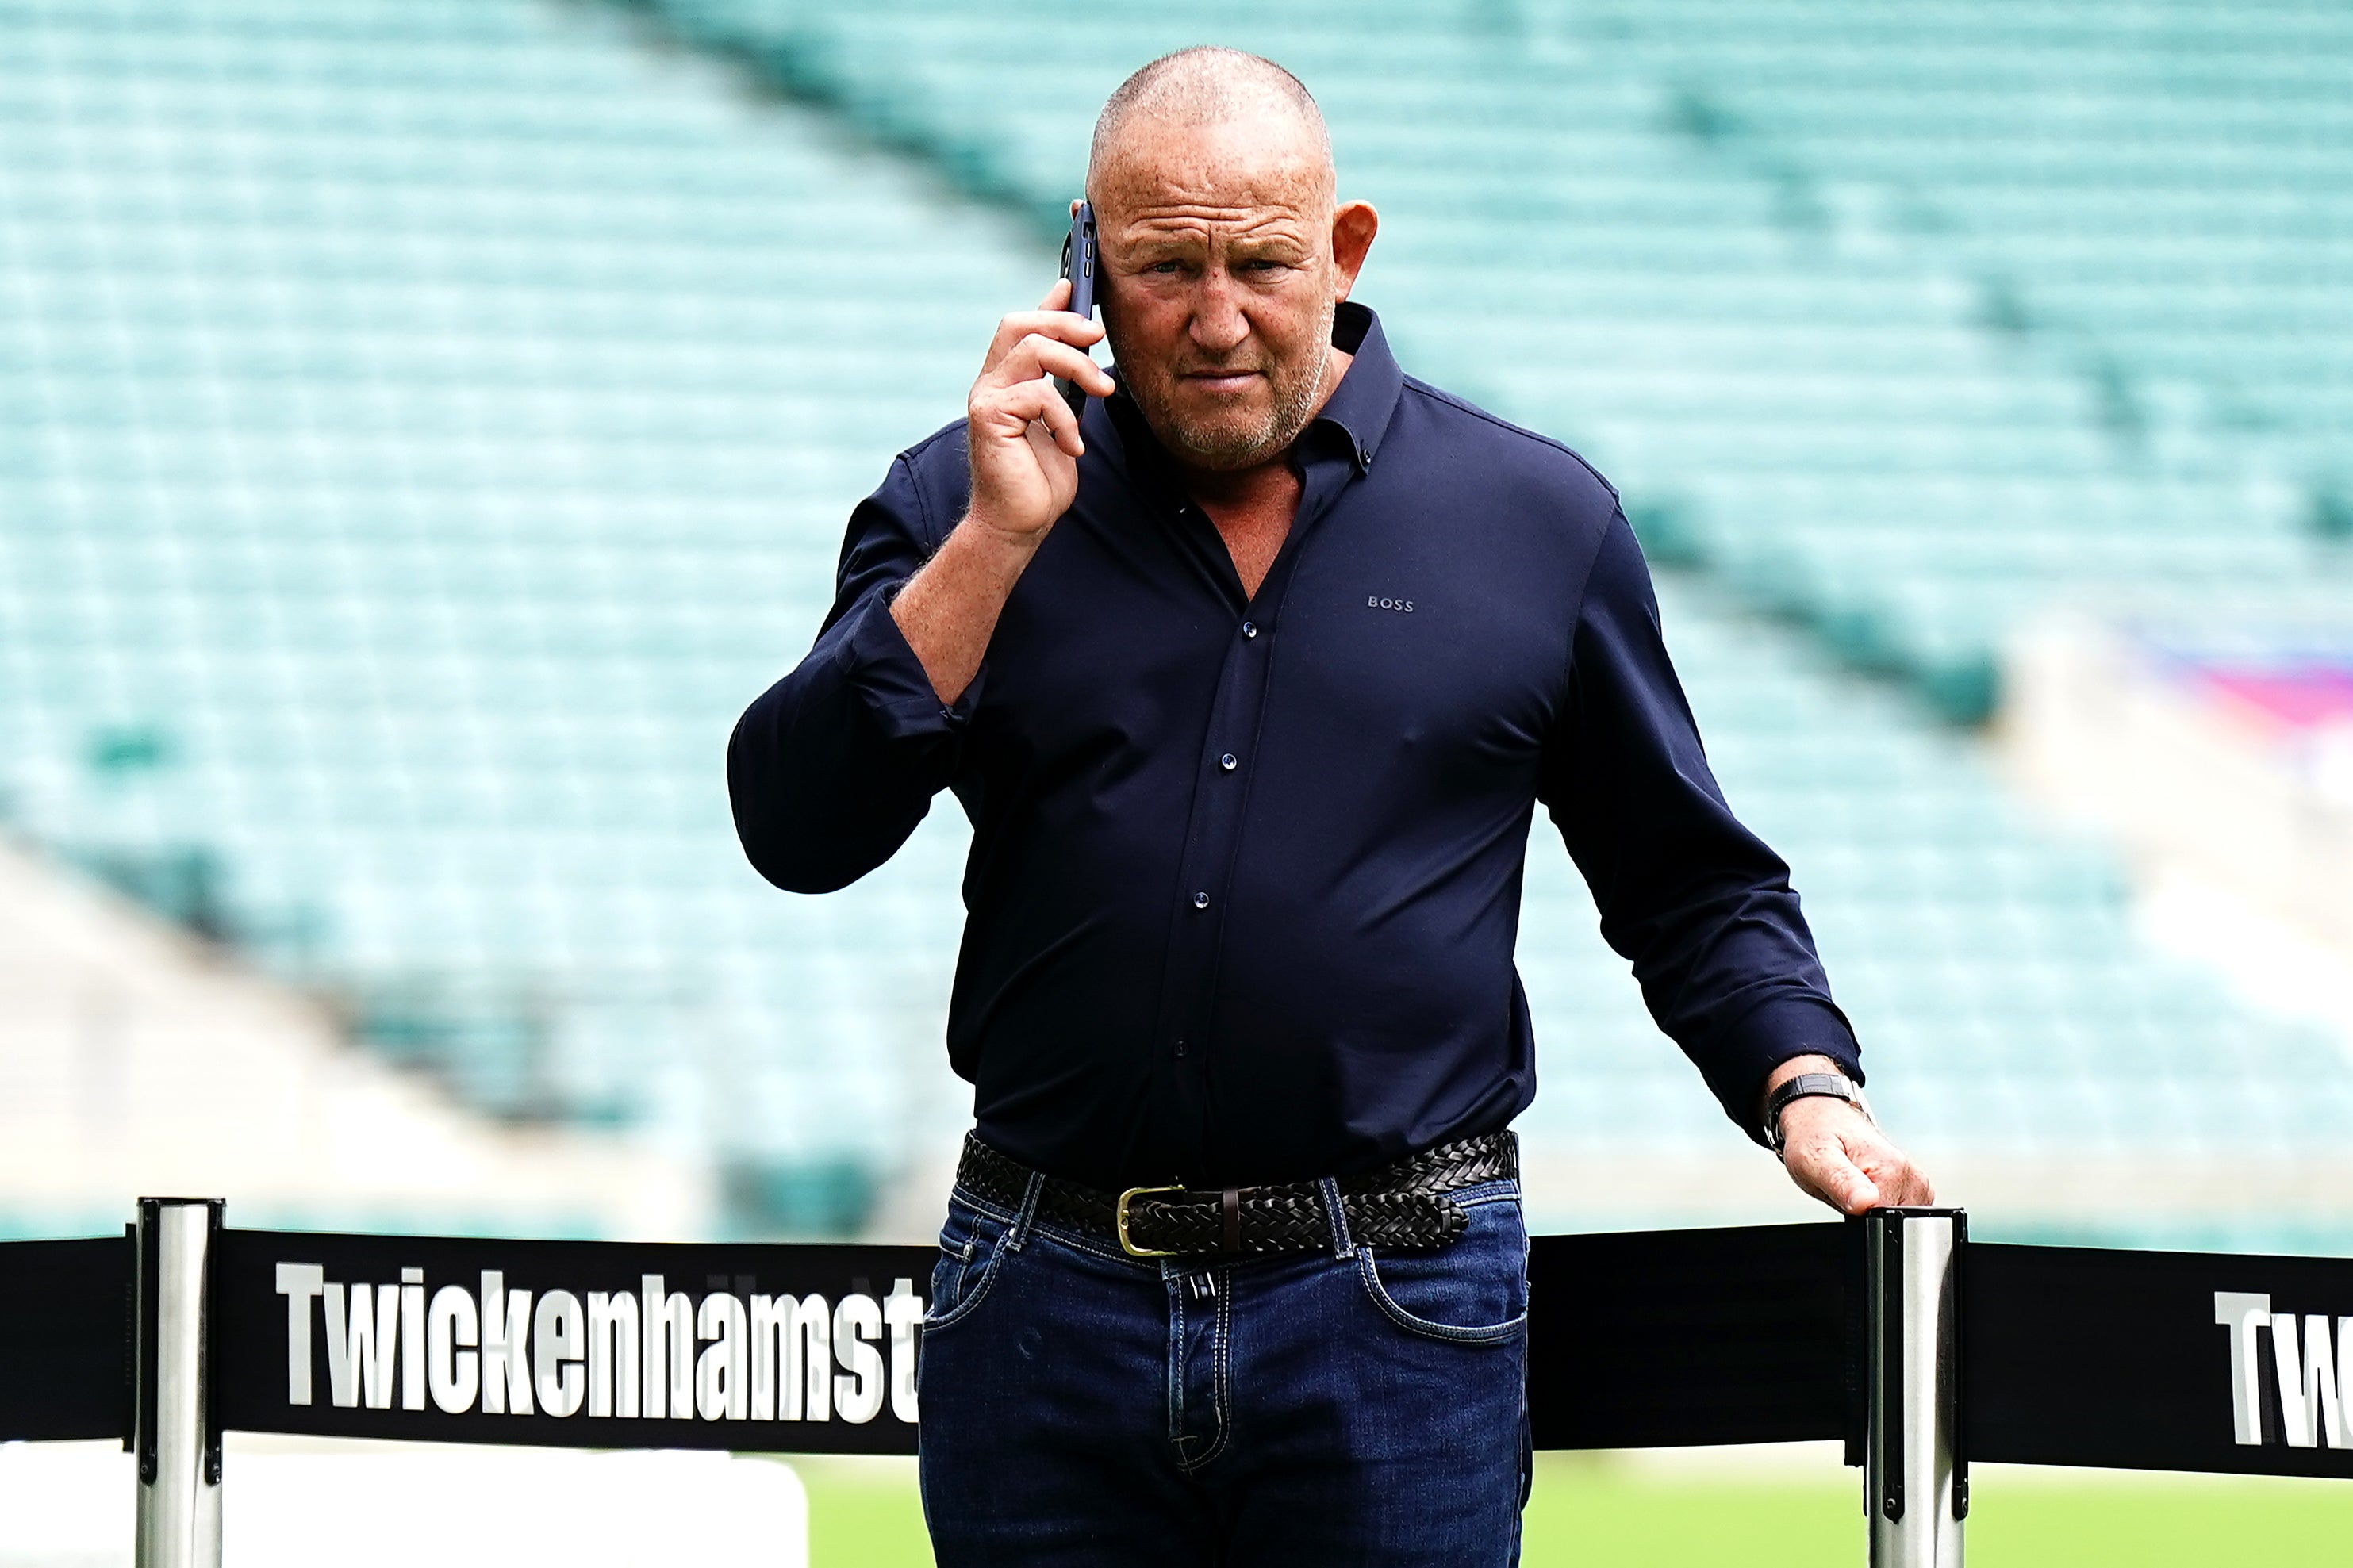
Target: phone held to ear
{"x": 1079, "y": 267}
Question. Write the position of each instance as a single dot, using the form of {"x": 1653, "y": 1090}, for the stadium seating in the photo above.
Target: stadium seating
{"x": 1848, "y": 420}
{"x": 2163, "y": 188}
{"x": 430, "y": 423}
{"x": 440, "y": 416}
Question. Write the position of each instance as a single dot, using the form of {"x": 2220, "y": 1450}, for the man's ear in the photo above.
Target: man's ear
{"x": 1353, "y": 227}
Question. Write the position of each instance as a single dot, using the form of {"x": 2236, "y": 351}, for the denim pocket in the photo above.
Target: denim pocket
{"x": 971, "y": 1243}
{"x": 1474, "y": 1292}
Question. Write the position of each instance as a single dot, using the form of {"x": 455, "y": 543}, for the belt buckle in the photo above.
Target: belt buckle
{"x": 1118, "y": 1220}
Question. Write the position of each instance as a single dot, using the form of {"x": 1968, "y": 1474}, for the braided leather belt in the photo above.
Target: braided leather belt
{"x": 1402, "y": 1205}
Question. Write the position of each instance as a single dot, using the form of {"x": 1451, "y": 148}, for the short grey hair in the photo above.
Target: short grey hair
{"x": 1203, "y": 86}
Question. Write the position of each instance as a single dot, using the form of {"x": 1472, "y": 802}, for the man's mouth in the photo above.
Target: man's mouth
{"x": 1220, "y": 380}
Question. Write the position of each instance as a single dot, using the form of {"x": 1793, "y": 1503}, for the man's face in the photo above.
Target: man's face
{"x": 1219, "y": 282}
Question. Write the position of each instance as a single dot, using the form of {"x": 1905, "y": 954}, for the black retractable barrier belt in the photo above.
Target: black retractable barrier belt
{"x": 569, "y": 1344}
{"x": 65, "y": 1336}
{"x": 2068, "y": 1355}
{"x": 1665, "y": 1337}
{"x": 1682, "y": 1337}
{"x": 2160, "y": 1360}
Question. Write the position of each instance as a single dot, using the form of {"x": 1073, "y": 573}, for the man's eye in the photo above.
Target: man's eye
{"x": 1166, "y": 269}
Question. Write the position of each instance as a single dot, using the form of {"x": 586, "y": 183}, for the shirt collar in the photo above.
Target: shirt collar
{"x": 1367, "y": 395}
{"x": 1357, "y": 416}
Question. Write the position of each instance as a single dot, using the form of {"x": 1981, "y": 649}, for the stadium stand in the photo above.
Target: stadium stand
{"x": 443, "y": 416}
{"x": 435, "y": 421}
{"x": 135, "y": 1058}
{"x": 2165, "y": 189}
{"x": 1847, "y": 421}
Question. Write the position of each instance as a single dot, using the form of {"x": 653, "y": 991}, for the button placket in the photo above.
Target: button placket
{"x": 1207, "y": 857}
{"x": 1213, "y": 833}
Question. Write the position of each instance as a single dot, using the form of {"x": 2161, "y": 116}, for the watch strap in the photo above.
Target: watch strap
{"x": 1807, "y": 1086}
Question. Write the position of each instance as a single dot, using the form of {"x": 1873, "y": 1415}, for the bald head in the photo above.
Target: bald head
{"x": 1195, "y": 88}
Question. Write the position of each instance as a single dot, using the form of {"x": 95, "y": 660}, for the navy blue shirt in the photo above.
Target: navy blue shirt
{"x": 1245, "y": 872}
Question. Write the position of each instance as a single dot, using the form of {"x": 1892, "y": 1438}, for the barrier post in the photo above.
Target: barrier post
{"x": 1915, "y": 1484}
{"x": 177, "y": 1440}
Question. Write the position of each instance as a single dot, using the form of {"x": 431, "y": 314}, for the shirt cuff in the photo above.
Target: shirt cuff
{"x": 1767, "y": 1034}
{"x": 877, "y": 663}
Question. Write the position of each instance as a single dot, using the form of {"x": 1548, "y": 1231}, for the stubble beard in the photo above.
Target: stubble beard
{"x": 1224, "y": 444}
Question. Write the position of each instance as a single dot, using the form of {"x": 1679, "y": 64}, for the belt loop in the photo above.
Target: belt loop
{"x": 1342, "y": 1247}
{"x": 1030, "y": 1196}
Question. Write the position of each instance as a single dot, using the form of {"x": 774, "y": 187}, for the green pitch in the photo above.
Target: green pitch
{"x": 1593, "y": 1512}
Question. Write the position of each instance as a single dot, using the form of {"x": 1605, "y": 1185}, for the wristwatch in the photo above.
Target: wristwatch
{"x": 1806, "y": 1085}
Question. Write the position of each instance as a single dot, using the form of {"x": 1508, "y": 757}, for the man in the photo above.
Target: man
{"x": 1250, "y": 678}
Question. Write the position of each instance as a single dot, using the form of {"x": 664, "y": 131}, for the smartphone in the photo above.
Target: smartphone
{"x": 1079, "y": 267}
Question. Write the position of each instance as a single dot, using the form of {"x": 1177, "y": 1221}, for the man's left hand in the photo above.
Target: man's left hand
{"x": 1836, "y": 1153}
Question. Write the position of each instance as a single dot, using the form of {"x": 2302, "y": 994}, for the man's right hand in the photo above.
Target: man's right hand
{"x": 1024, "y": 438}
{"x": 1025, "y": 472}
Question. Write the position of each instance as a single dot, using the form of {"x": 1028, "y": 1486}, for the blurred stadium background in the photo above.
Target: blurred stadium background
{"x": 424, "y": 424}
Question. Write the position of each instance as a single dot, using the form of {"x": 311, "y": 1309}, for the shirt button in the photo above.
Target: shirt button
{"x": 1229, "y": 761}
{"x": 1250, "y": 629}
{"x": 1200, "y": 900}
{"x": 1180, "y": 1049}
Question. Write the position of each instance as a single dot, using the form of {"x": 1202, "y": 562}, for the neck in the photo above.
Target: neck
{"x": 1263, "y": 481}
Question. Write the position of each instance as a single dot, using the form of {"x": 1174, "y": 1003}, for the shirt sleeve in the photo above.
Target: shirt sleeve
{"x": 830, "y": 769}
{"x": 1698, "y": 904}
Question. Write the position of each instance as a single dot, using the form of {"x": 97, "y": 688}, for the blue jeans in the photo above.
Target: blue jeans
{"x": 1083, "y": 1406}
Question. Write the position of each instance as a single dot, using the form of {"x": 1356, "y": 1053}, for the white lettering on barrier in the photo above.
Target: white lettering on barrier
{"x": 858, "y": 1390}
{"x": 669, "y": 1351}
{"x": 903, "y": 1311}
{"x": 2242, "y": 1314}
{"x": 556, "y": 1350}
{"x": 452, "y": 1370}
{"x": 412, "y": 1339}
{"x": 655, "y": 1354}
{"x": 720, "y": 1380}
{"x": 612, "y": 1353}
{"x": 2310, "y": 1384}
{"x": 2314, "y": 1377}
{"x": 362, "y": 1344}
{"x": 300, "y": 1284}
{"x": 792, "y": 1358}
{"x": 506, "y": 1338}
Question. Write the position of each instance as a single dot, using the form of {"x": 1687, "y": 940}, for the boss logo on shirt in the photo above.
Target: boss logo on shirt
{"x": 1377, "y": 602}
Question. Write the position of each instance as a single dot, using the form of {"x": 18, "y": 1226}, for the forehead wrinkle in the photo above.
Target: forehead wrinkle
{"x": 1140, "y": 216}
{"x": 1241, "y": 222}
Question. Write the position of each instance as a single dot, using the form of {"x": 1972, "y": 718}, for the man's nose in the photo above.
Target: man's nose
{"x": 1219, "y": 326}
